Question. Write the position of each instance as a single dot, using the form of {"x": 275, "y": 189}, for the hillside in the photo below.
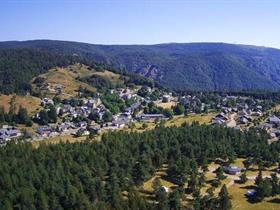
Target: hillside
{"x": 32, "y": 104}
{"x": 194, "y": 66}
{"x": 63, "y": 78}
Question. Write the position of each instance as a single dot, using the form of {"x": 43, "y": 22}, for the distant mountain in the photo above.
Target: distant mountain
{"x": 193, "y": 66}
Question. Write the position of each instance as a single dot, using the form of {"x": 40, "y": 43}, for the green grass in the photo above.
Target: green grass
{"x": 200, "y": 118}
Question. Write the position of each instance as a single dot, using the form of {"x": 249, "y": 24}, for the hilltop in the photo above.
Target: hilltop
{"x": 193, "y": 66}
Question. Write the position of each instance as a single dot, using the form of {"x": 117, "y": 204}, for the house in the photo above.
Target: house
{"x": 166, "y": 189}
{"x": 7, "y": 133}
{"x": 133, "y": 107}
{"x": 93, "y": 103}
{"x": 232, "y": 170}
{"x": 148, "y": 117}
{"x": 243, "y": 120}
{"x": 44, "y": 130}
{"x": 47, "y": 101}
{"x": 259, "y": 107}
{"x": 58, "y": 88}
{"x": 226, "y": 110}
{"x": 45, "y": 86}
{"x": 64, "y": 127}
{"x": 237, "y": 127}
{"x": 126, "y": 96}
{"x": 257, "y": 113}
{"x": 119, "y": 123}
{"x": 82, "y": 132}
{"x": 166, "y": 98}
{"x": 274, "y": 120}
{"x": 222, "y": 116}
{"x": 272, "y": 135}
{"x": 95, "y": 127}
{"x": 243, "y": 113}
{"x": 109, "y": 126}
{"x": 121, "y": 120}
{"x": 81, "y": 124}
{"x": 250, "y": 193}
{"x": 218, "y": 121}
{"x": 266, "y": 126}
{"x": 67, "y": 108}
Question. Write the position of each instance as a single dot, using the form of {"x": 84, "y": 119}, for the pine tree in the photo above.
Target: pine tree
{"x": 2, "y": 114}
{"x": 44, "y": 118}
{"x": 224, "y": 199}
{"x": 243, "y": 178}
{"x": 52, "y": 115}
{"x": 174, "y": 200}
{"x": 22, "y": 116}
{"x": 12, "y": 109}
{"x": 259, "y": 178}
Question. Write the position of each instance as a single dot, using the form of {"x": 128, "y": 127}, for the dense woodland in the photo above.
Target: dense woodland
{"x": 104, "y": 175}
{"x": 19, "y": 66}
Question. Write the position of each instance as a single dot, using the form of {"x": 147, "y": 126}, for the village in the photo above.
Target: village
{"x": 84, "y": 116}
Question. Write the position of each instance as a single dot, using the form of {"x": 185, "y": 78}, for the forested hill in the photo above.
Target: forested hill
{"x": 19, "y": 65}
{"x": 194, "y": 66}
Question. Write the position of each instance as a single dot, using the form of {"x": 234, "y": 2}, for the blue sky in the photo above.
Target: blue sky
{"x": 142, "y": 22}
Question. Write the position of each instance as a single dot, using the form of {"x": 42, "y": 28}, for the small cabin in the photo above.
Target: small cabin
{"x": 232, "y": 170}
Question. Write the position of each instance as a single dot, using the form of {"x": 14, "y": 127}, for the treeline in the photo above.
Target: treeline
{"x": 104, "y": 175}
{"x": 101, "y": 83}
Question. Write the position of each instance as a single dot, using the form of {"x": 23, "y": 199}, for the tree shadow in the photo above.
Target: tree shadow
{"x": 252, "y": 199}
{"x": 248, "y": 187}
{"x": 274, "y": 200}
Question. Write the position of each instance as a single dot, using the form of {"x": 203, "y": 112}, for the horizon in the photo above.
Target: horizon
{"x": 73, "y": 41}
{"x": 123, "y": 22}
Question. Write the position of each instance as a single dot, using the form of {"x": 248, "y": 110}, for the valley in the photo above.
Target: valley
{"x": 84, "y": 105}
{"x": 139, "y": 105}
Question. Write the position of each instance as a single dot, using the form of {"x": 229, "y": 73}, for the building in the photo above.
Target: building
{"x": 218, "y": 121}
{"x": 166, "y": 189}
{"x": 222, "y": 116}
{"x": 250, "y": 193}
{"x": 149, "y": 117}
{"x": 166, "y": 98}
{"x": 7, "y": 133}
{"x": 82, "y": 132}
{"x": 44, "y": 130}
{"x": 232, "y": 170}
{"x": 81, "y": 124}
{"x": 274, "y": 120}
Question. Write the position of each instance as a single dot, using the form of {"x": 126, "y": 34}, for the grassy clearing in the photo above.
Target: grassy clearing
{"x": 32, "y": 104}
{"x": 276, "y": 108}
{"x": 113, "y": 77}
{"x": 147, "y": 188}
{"x": 167, "y": 105}
{"x": 67, "y": 77}
{"x": 200, "y": 118}
{"x": 239, "y": 201}
{"x": 237, "y": 191}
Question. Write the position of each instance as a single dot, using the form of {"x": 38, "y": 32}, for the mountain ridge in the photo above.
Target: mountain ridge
{"x": 180, "y": 66}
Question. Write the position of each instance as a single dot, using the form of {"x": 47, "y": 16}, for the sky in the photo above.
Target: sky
{"x": 255, "y": 22}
